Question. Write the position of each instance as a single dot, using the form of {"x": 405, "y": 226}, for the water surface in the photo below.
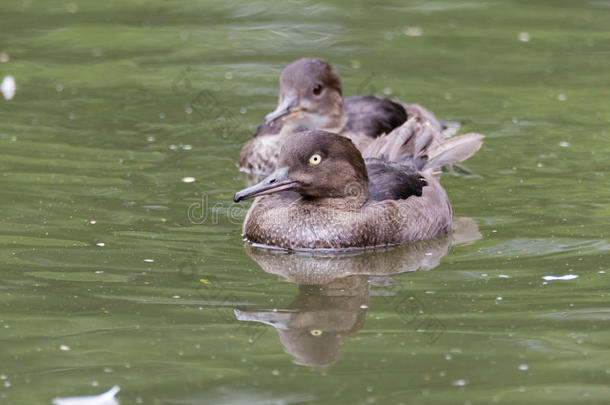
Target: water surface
{"x": 120, "y": 249}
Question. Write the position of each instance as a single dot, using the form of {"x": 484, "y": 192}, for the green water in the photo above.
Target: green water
{"x": 115, "y": 271}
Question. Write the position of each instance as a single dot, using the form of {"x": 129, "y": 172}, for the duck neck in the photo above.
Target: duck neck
{"x": 336, "y": 121}
{"x": 356, "y": 195}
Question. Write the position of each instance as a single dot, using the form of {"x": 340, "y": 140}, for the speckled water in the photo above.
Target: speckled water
{"x": 120, "y": 249}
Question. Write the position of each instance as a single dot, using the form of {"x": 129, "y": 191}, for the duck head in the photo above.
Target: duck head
{"x": 310, "y": 97}
{"x": 316, "y": 164}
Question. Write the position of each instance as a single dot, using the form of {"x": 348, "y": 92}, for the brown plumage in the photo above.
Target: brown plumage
{"x": 325, "y": 195}
{"x": 311, "y": 98}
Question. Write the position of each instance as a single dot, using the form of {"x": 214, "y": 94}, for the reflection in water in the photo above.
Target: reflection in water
{"x": 334, "y": 290}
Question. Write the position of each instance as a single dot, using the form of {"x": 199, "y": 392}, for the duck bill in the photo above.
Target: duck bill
{"x": 287, "y": 109}
{"x": 274, "y": 183}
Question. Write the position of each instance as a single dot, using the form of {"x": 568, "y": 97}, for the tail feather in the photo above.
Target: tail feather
{"x": 453, "y": 150}
{"x": 424, "y": 145}
{"x": 411, "y": 138}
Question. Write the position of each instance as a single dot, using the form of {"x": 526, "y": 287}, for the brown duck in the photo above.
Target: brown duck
{"x": 325, "y": 194}
{"x": 311, "y": 98}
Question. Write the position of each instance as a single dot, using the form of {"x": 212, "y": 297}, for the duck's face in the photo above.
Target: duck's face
{"x": 316, "y": 164}
{"x": 310, "y": 96}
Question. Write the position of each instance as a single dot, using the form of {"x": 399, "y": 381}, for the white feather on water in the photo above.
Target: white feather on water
{"x": 8, "y": 87}
{"x": 106, "y": 398}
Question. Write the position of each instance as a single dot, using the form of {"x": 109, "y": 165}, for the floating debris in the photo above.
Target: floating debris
{"x": 524, "y": 37}
{"x": 8, "y": 87}
{"x": 413, "y": 31}
{"x": 106, "y": 398}
{"x": 460, "y": 383}
{"x": 561, "y": 278}
{"x": 564, "y": 144}
{"x": 188, "y": 180}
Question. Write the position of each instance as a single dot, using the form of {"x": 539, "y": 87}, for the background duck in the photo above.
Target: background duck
{"x": 326, "y": 195}
{"x": 311, "y": 98}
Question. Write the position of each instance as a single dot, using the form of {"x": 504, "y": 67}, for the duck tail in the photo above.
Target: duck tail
{"x": 423, "y": 144}
{"x": 410, "y": 139}
{"x": 452, "y": 150}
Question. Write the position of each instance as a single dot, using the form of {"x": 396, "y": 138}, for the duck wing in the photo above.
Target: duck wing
{"x": 392, "y": 180}
{"x": 372, "y": 116}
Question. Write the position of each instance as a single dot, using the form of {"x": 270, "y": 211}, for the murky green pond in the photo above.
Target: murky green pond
{"x": 121, "y": 258}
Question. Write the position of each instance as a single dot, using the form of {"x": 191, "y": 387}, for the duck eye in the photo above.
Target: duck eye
{"x": 315, "y": 159}
{"x": 317, "y": 89}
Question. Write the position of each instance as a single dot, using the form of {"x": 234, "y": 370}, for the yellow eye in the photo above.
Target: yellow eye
{"x": 315, "y": 159}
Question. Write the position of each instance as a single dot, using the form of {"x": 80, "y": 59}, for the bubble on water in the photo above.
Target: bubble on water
{"x": 59, "y": 87}
{"x": 499, "y": 298}
{"x": 524, "y": 37}
{"x": 188, "y": 179}
{"x": 188, "y": 110}
{"x": 72, "y": 8}
{"x": 93, "y": 222}
{"x": 101, "y": 244}
{"x": 413, "y": 31}
{"x": 150, "y": 138}
{"x": 149, "y": 260}
{"x": 64, "y": 348}
{"x": 8, "y": 87}
{"x": 275, "y": 372}
{"x": 561, "y": 97}
{"x": 162, "y": 116}
{"x": 187, "y": 147}
{"x": 173, "y": 147}
{"x": 523, "y": 367}
{"x": 97, "y": 52}
{"x": 564, "y": 144}
{"x": 460, "y": 383}
{"x": 4, "y": 57}
{"x": 228, "y": 75}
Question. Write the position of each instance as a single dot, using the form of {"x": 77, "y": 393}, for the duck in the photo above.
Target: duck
{"x": 311, "y": 98}
{"x": 326, "y": 194}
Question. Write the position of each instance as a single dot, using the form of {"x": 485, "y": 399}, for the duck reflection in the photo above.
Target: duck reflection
{"x": 334, "y": 290}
